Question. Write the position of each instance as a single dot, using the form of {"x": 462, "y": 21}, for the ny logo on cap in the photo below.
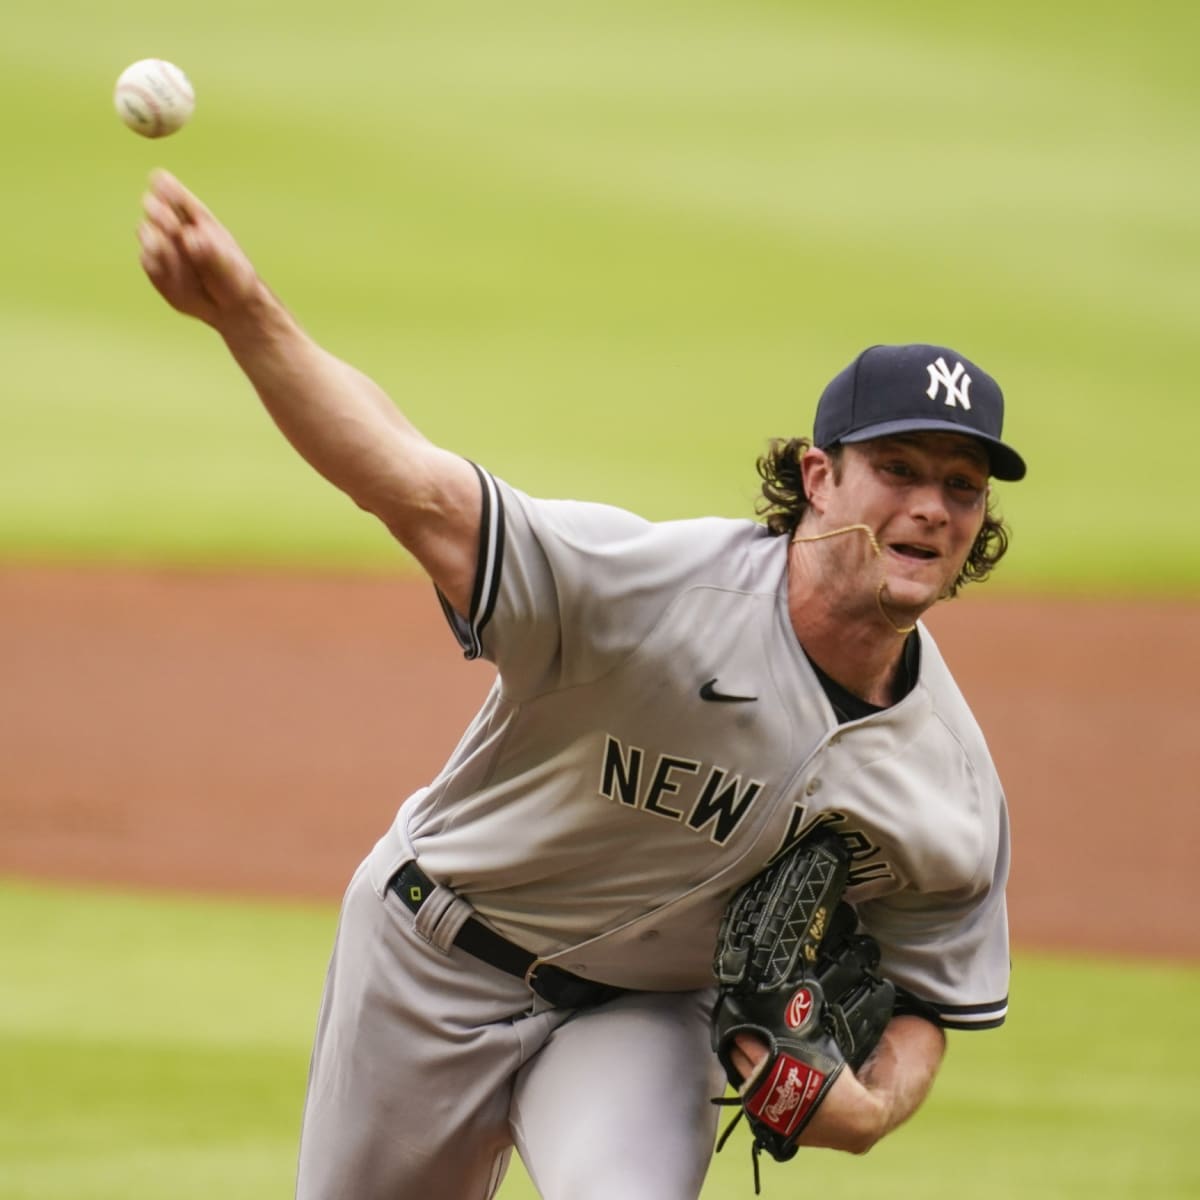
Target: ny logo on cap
{"x": 957, "y": 383}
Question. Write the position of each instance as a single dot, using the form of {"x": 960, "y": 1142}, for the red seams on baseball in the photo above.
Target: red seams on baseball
{"x": 154, "y": 97}
{"x": 147, "y": 98}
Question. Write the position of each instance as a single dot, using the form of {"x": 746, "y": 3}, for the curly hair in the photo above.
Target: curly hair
{"x": 784, "y": 503}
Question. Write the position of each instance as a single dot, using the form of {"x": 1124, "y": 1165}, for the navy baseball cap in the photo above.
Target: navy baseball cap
{"x": 903, "y": 389}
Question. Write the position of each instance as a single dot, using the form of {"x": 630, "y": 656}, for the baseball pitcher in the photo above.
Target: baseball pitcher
{"x": 723, "y": 819}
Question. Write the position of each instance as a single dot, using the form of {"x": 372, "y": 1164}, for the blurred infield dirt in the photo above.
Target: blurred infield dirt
{"x": 253, "y": 734}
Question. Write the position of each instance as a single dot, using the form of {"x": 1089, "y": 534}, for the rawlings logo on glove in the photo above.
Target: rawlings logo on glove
{"x": 799, "y": 1009}
{"x": 794, "y": 974}
{"x": 783, "y": 1104}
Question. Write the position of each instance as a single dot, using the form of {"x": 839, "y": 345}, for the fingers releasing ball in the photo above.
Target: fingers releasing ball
{"x": 154, "y": 97}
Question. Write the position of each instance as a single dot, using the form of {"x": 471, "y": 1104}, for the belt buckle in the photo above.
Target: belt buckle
{"x": 562, "y": 989}
{"x": 552, "y": 984}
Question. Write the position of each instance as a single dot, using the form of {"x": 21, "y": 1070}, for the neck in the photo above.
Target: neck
{"x": 851, "y": 638}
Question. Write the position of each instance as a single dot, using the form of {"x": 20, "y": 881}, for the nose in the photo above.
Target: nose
{"x": 928, "y": 504}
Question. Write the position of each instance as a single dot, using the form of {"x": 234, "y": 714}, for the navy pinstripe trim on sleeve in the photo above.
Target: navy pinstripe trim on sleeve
{"x": 951, "y": 1016}
{"x": 487, "y": 571}
{"x": 491, "y": 554}
{"x": 973, "y": 1016}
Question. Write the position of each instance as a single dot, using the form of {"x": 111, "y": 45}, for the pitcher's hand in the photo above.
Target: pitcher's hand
{"x": 191, "y": 258}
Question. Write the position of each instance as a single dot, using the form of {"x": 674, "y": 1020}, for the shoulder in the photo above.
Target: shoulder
{"x": 564, "y": 528}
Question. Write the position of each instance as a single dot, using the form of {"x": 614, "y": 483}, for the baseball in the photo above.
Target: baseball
{"x": 154, "y": 97}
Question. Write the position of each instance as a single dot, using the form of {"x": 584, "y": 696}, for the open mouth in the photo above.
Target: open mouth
{"x": 907, "y": 550}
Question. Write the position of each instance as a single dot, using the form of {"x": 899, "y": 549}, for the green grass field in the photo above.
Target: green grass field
{"x": 158, "y": 1047}
{"x": 606, "y": 250}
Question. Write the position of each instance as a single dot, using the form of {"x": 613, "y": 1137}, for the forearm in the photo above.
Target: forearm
{"x": 339, "y": 421}
{"x": 335, "y": 417}
{"x": 900, "y": 1074}
{"x": 347, "y": 428}
{"x": 893, "y": 1083}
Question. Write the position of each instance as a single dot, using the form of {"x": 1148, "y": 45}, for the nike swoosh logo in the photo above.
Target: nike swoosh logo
{"x": 708, "y": 691}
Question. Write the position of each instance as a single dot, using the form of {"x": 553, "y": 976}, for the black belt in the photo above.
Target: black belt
{"x": 553, "y": 984}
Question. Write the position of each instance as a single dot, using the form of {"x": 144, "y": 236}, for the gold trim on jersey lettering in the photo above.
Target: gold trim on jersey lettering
{"x": 719, "y": 800}
{"x": 628, "y": 773}
{"x": 861, "y": 848}
{"x": 719, "y": 803}
{"x": 661, "y": 784}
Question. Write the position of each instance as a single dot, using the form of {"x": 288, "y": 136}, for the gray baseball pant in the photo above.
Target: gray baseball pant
{"x": 429, "y": 1066}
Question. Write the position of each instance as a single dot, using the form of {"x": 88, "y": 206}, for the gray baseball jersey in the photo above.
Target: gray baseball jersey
{"x": 656, "y": 735}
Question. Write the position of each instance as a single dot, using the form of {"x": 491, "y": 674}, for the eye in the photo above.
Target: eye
{"x": 964, "y": 486}
{"x": 899, "y": 468}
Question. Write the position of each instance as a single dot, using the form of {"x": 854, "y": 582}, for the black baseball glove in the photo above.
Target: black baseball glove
{"x": 793, "y": 972}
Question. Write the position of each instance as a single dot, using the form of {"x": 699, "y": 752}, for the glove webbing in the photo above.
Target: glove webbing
{"x": 779, "y": 946}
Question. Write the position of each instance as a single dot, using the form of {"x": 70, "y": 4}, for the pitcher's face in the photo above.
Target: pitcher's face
{"x": 922, "y": 495}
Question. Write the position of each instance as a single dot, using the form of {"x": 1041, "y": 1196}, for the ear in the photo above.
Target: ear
{"x": 816, "y": 468}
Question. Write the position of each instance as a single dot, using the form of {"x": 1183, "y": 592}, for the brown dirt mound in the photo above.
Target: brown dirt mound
{"x": 254, "y": 734}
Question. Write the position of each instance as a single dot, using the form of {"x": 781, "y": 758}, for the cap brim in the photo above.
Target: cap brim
{"x": 1004, "y": 461}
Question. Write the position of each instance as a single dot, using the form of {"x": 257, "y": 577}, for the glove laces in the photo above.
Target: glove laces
{"x": 724, "y": 1102}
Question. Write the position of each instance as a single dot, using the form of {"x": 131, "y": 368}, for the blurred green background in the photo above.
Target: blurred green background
{"x": 607, "y": 250}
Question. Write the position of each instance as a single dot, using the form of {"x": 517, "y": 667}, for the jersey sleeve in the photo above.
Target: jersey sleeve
{"x": 565, "y": 589}
{"x": 948, "y": 955}
{"x": 468, "y": 627}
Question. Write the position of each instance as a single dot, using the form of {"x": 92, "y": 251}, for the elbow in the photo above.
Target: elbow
{"x": 849, "y": 1128}
{"x": 866, "y": 1124}
{"x": 864, "y": 1142}
{"x": 863, "y": 1135}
